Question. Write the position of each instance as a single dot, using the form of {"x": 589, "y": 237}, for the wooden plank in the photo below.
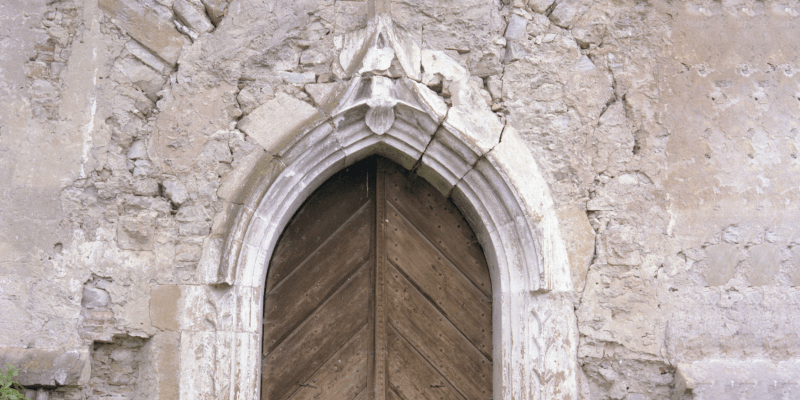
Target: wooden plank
{"x": 441, "y": 222}
{"x": 310, "y": 284}
{"x": 343, "y": 376}
{"x": 380, "y": 379}
{"x": 392, "y": 395}
{"x": 412, "y": 376}
{"x": 433, "y": 336}
{"x": 440, "y": 281}
{"x": 324, "y": 212}
{"x": 317, "y": 338}
{"x": 363, "y": 395}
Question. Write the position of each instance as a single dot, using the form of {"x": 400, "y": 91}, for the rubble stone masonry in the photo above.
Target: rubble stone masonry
{"x": 668, "y": 134}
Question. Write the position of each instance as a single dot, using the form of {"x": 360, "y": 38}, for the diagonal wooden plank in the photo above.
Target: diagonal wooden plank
{"x": 343, "y": 376}
{"x": 440, "y": 281}
{"x": 412, "y": 376}
{"x": 321, "y": 215}
{"x": 317, "y": 338}
{"x": 363, "y": 395}
{"x": 392, "y": 395}
{"x": 433, "y": 336}
{"x": 441, "y": 222}
{"x": 296, "y": 297}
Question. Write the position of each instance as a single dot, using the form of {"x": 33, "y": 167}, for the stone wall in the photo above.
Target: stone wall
{"x": 668, "y": 133}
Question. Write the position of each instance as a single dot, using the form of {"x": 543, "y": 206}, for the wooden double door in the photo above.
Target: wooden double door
{"x": 377, "y": 289}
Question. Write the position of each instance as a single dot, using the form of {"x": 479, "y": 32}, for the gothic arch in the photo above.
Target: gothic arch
{"x": 467, "y": 154}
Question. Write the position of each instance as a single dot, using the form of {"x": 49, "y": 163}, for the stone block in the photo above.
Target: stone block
{"x": 145, "y": 56}
{"x": 794, "y": 272}
{"x": 274, "y": 123}
{"x": 95, "y": 299}
{"x": 147, "y": 26}
{"x": 517, "y": 28}
{"x": 565, "y": 12}
{"x": 210, "y": 259}
{"x": 48, "y": 367}
{"x": 162, "y": 357}
{"x": 540, "y": 6}
{"x": 471, "y": 117}
{"x": 175, "y": 191}
{"x": 233, "y": 184}
{"x": 725, "y": 379}
{"x": 216, "y": 9}
{"x": 437, "y": 62}
{"x": 580, "y": 241}
{"x": 765, "y": 260}
{"x": 193, "y": 16}
{"x": 164, "y": 306}
{"x": 142, "y": 76}
{"x": 136, "y": 232}
{"x": 722, "y": 261}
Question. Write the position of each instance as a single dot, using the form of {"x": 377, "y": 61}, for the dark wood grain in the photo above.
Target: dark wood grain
{"x": 297, "y": 296}
{"x": 412, "y": 377}
{"x": 343, "y": 376}
{"x": 442, "y": 223}
{"x": 433, "y": 336}
{"x": 317, "y": 338}
{"x": 321, "y": 215}
{"x": 440, "y": 281}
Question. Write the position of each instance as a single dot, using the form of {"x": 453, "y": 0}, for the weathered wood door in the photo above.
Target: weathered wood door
{"x": 377, "y": 289}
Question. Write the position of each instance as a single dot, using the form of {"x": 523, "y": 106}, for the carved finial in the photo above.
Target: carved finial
{"x": 378, "y": 7}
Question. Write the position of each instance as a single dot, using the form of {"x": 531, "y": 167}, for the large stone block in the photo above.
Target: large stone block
{"x": 162, "y": 354}
{"x": 765, "y": 260}
{"x": 147, "y": 26}
{"x": 722, "y": 261}
{"x": 164, "y": 306}
{"x": 273, "y": 124}
{"x": 580, "y": 241}
{"x": 48, "y": 367}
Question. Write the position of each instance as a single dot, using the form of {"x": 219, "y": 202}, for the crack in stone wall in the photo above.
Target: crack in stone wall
{"x": 634, "y": 118}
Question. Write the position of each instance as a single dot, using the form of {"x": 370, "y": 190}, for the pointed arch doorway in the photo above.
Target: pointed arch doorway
{"x": 377, "y": 289}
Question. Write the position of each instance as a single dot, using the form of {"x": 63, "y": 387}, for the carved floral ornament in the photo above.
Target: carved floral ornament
{"x": 465, "y": 152}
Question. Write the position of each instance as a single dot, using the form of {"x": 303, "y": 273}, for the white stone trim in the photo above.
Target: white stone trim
{"x": 492, "y": 178}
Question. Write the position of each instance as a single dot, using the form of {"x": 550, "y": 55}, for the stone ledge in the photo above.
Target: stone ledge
{"x": 48, "y": 367}
{"x": 722, "y": 379}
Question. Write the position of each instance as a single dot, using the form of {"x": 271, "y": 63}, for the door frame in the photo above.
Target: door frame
{"x": 487, "y": 171}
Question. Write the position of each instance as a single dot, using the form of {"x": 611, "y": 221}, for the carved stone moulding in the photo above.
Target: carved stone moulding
{"x": 466, "y": 153}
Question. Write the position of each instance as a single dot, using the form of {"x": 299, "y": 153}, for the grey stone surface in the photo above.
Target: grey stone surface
{"x": 270, "y": 126}
{"x": 517, "y": 28}
{"x": 48, "y": 367}
{"x": 147, "y": 26}
{"x": 193, "y": 15}
{"x": 665, "y": 131}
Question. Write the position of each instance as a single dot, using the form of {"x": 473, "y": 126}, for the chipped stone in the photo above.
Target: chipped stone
{"x": 146, "y": 26}
{"x": 437, "y": 62}
{"x": 175, "y": 191}
{"x": 216, "y": 9}
{"x": 517, "y": 28}
{"x": 145, "y": 56}
{"x": 136, "y": 232}
{"x": 193, "y": 16}
{"x": 540, "y": 6}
